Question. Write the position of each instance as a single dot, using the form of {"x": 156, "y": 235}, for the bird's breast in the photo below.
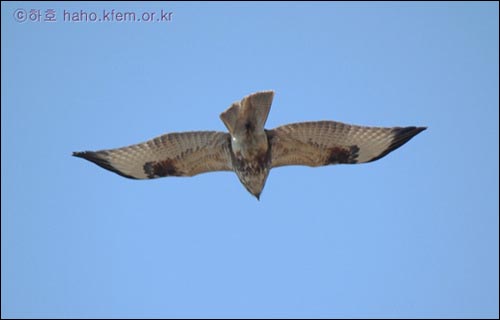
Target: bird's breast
{"x": 252, "y": 165}
{"x": 249, "y": 146}
{"x": 250, "y": 155}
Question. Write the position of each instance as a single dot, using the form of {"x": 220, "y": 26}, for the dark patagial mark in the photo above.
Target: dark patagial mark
{"x": 99, "y": 158}
{"x": 163, "y": 168}
{"x": 401, "y": 136}
{"x": 343, "y": 155}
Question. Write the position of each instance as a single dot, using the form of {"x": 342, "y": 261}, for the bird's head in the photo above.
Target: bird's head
{"x": 254, "y": 183}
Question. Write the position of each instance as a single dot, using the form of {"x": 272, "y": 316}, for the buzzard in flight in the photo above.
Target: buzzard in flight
{"x": 250, "y": 150}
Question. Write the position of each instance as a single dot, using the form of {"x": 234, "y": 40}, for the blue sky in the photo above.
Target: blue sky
{"x": 414, "y": 234}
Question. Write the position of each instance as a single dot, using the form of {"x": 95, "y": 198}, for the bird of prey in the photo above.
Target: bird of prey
{"x": 250, "y": 150}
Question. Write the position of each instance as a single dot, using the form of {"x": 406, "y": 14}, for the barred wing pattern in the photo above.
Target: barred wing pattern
{"x": 174, "y": 154}
{"x": 329, "y": 142}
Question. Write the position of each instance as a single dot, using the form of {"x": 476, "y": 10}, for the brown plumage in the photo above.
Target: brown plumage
{"x": 250, "y": 150}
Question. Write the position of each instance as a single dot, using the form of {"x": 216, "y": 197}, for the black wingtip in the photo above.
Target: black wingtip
{"x": 94, "y": 157}
{"x": 88, "y": 155}
{"x": 79, "y": 154}
{"x": 401, "y": 136}
{"x": 99, "y": 159}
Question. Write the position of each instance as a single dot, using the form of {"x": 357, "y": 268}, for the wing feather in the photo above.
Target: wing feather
{"x": 329, "y": 142}
{"x": 174, "y": 154}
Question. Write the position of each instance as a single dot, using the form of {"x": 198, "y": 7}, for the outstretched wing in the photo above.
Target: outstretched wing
{"x": 329, "y": 142}
{"x": 174, "y": 154}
